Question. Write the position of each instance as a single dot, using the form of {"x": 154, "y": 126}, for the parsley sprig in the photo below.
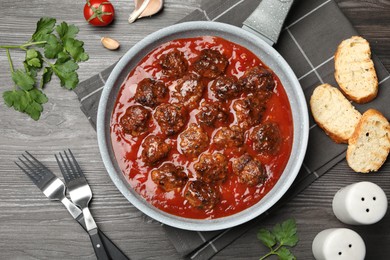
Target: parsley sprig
{"x": 61, "y": 53}
{"x": 277, "y": 240}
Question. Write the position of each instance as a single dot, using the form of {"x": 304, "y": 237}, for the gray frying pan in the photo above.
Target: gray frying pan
{"x": 260, "y": 45}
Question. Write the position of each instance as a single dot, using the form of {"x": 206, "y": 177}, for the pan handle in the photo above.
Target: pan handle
{"x": 267, "y": 19}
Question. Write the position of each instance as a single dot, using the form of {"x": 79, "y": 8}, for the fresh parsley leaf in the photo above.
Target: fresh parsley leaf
{"x": 29, "y": 102}
{"x": 66, "y": 72}
{"x": 53, "y": 47}
{"x": 282, "y": 235}
{"x": 33, "y": 58}
{"x": 45, "y": 27}
{"x": 23, "y": 79}
{"x": 63, "y": 57}
{"x": 285, "y": 254}
{"x": 34, "y": 110}
{"x": 266, "y": 237}
{"x": 285, "y": 233}
{"x": 10, "y": 97}
{"x": 30, "y": 70}
{"x": 75, "y": 49}
{"x": 16, "y": 99}
{"x": 46, "y": 76}
{"x": 66, "y": 31}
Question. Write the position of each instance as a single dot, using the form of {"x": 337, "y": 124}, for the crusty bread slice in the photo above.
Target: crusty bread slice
{"x": 334, "y": 113}
{"x": 370, "y": 143}
{"x": 354, "y": 70}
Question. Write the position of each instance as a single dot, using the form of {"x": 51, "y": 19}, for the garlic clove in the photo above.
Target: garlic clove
{"x": 145, "y": 8}
{"x": 110, "y": 43}
{"x": 153, "y": 7}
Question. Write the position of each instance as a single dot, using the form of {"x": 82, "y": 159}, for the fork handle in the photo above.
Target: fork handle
{"x": 98, "y": 245}
{"x": 113, "y": 251}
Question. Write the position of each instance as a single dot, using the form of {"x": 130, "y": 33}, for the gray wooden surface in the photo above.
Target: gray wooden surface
{"x": 31, "y": 227}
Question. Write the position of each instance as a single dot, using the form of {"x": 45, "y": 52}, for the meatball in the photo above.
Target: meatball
{"x": 229, "y": 137}
{"x": 226, "y": 87}
{"x": 154, "y": 150}
{"x": 170, "y": 117}
{"x": 258, "y": 79}
{"x": 267, "y": 138}
{"x": 249, "y": 171}
{"x": 249, "y": 111}
{"x": 135, "y": 121}
{"x": 211, "y": 64}
{"x": 173, "y": 64}
{"x": 212, "y": 167}
{"x": 202, "y": 195}
{"x": 193, "y": 140}
{"x": 210, "y": 113}
{"x": 150, "y": 93}
{"x": 169, "y": 177}
{"x": 189, "y": 90}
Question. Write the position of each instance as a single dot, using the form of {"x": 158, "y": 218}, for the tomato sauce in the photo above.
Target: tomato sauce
{"x": 235, "y": 196}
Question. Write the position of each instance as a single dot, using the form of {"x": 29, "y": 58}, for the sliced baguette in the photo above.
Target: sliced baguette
{"x": 369, "y": 145}
{"x": 334, "y": 113}
{"x": 354, "y": 70}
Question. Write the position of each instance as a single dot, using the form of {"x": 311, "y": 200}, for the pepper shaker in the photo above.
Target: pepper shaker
{"x": 338, "y": 243}
{"x": 361, "y": 203}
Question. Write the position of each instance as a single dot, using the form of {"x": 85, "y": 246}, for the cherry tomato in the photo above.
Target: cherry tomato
{"x": 99, "y": 12}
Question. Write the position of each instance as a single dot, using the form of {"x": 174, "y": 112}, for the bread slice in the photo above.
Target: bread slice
{"x": 334, "y": 113}
{"x": 354, "y": 70}
{"x": 370, "y": 143}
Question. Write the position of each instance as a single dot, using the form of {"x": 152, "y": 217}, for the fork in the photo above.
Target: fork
{"x": 54, "y": 189}
{"x": 81, "y": 194}
{"x": 47, "y": 182}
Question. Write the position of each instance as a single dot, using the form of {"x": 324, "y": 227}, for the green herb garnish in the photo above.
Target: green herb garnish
{"x": 277, "y": 240}
{"x": 61, "y": 53}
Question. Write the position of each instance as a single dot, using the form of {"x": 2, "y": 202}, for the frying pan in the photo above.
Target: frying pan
{"x": 239, "y": 36}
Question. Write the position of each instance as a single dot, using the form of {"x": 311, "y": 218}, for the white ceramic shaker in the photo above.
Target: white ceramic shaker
{"x": 361, "y": 203}
{"x": 338, "y": 244}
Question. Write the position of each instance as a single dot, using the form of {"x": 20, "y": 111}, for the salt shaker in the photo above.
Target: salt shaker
{"x": 338, "y": 243}
{"x": 361, "y": 203}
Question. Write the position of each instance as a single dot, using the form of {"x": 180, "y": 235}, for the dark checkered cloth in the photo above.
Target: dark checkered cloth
{"x": 312, "y": 33}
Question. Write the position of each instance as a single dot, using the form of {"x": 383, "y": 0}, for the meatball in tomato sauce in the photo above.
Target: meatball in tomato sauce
{"x": 189, "y": 90}
{"x": 135, "y": 121}
{"x": 249, "y": 170}
{"x": 154, "y": 150}
{"x": 170, "y": 117}
{"x": 229, "y": 137}
{"x": 258, "y": 79}
{"x": 150, "y": 92}
{"x": 211, "y": 64}
{"x": 249, "y": 111}
{"x": 173, "y": 64}
{"x": 210, "y": 113}
{"x": 202, "y": 195}
{"x": 193, "y": 141}
{"x": 226, "y": 87}
{"x": 169, "y": 177}
{"x": 267, "y": 138}
{"x": 212, "y": 167}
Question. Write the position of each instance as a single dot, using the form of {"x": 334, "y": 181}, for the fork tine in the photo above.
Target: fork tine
{"x": 38, "y": 173}
{"x": 30, "y": 174}
{"x": 76, "y": 163}
{"x": 72, "y": 165}
{"x": 31, "y": 170}
{"x": 36, "y": 160}
{"x": 60, "y": 165}
{"x": 67, "y": 172}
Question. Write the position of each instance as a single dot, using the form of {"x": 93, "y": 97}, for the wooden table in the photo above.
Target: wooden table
{"x": 32, "y": 227}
